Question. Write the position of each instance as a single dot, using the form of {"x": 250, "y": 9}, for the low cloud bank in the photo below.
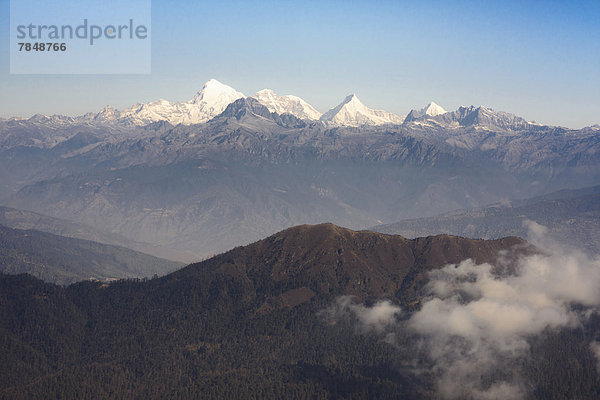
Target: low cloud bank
{"x": 476, "y": 320}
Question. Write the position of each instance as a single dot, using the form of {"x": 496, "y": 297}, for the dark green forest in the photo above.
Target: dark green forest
{"x": 246, "y": 325}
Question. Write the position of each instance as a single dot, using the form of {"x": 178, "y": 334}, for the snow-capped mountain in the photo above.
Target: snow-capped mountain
{"x": 433, "y": 109}
{"x": 183, "y": 187}
{"x": 205, "y": 105}
{"x": 592, "y": 128}
{"x": 478, "y": 117}
{"x": 107, "y": 114}
{"x": 287, "y": 104}
{"x": 430, "y": 110}
{"x": 161, "y": 110}
{"x": 215, "y": 97}
{"x": 351, "y": 112}
{"x": 251, "y": 112}
{"x": 483, "y": 117}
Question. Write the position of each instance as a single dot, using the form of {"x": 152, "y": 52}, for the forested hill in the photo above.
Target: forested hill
{"x": 244, "y": 324}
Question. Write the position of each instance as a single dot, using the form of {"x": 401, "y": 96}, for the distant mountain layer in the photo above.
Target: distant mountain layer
{"x": 200, "y": 189}
{"x": 26, "y": 220}
{"x": 243, "y": 324}
{"x": 65, "y": 260}
{"x": 214, "y": 97}
{"x": 571, "y": 215}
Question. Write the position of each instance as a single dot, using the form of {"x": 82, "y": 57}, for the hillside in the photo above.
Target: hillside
{"x": 64, "y": 260}
{"x": 247, "y": 323}
{"x": 571, "y": 215}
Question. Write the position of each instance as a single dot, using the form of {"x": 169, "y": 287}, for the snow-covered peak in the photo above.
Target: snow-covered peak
{"x": 483, "y": 117}
{"x": 352, "y": 112}
{"x": 205, "y": 105}
{"x": 266, "y": 93}
{"x": 286, "y": 104}
{"x": 108, "y": 110}
{"x": 352, "y": 101}
{"x": 350, "y": 106}
{"x": 108, "y": 113}
{"x": 351, "y": 98}
{"x": 214, "y": 92}
{"x": 432, "y": 109}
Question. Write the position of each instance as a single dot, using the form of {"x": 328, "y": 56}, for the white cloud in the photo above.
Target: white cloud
{"x": 377, "y": 318}
{"x": 475, "y": 323}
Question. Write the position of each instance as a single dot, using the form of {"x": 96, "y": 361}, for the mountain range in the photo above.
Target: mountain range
{"x": 214, "y": 97}
{"x": 212, "y": 100}
{"x": 254, "y": 168}
{"x": 206, "y": 104}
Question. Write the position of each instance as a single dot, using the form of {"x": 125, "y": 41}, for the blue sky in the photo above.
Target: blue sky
{"x": 537, "y": 59}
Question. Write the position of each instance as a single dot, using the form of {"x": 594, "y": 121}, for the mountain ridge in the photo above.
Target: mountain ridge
{"x": 29, "y": 220}
{"x": 204, "y": 188}
{"x": 571, "y": 216}
{"x": 214, "y": 97}
{"x": 430, "y": 110}
{"x": 352, "y": 112}
{"x": 64, "y": 260}
{"x": 287, "y": 104}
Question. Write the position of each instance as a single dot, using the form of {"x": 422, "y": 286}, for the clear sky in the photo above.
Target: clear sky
{"x": 537, "y": 59}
